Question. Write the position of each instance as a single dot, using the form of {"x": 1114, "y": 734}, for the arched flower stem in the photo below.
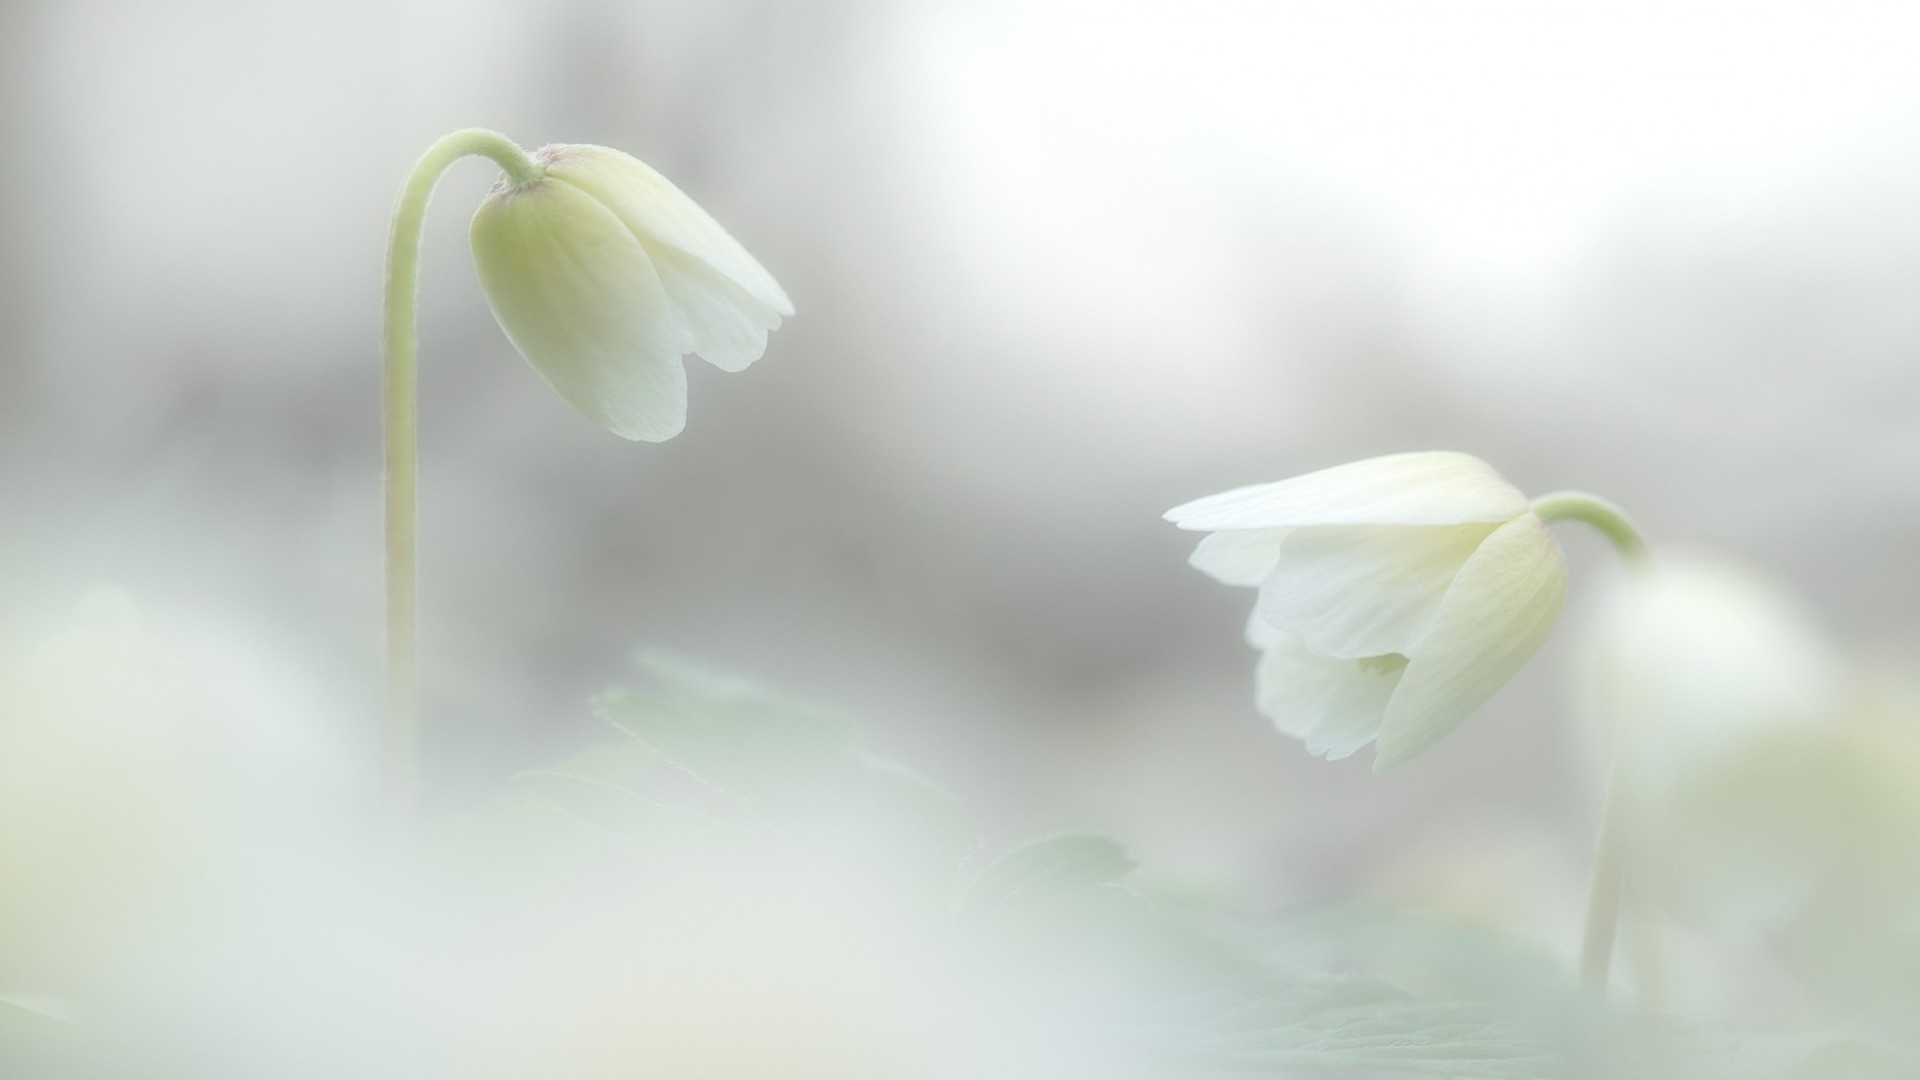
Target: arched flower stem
{"x": 402, "y": 466}
{"x": 1610, "y": 851}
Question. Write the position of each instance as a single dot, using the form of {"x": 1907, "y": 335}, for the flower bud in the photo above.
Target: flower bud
{"x": 604, "y": 275}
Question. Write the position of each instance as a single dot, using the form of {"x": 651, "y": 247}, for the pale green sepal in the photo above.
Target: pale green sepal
{"x": 1501, "y": 607}
{"x": 577, "y": 295}
{"x": 657, "y": 211}
{"x": 726, "y": 301}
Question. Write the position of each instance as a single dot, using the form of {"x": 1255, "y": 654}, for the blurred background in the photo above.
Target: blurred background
{"x": 1059, "y": 265}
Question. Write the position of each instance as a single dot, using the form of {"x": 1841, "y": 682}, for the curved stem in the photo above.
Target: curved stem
{"x": 1610, "y": 851}
{"x": 1604, "y": 515}
{"x": 402, "y": 466}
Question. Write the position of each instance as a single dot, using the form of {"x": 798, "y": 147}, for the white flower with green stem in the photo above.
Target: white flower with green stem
{"x": 1396, "y": 595}
{"x": 604, "y": 276}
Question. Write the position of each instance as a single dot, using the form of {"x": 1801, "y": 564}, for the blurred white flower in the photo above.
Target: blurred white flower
{"x": 1729, "y": 699}
{"x": 1698, "y": 653}
{"x": 1396, "y": 595}
{"x": 108, "y": 794}
{"x": 603, "y": 275}
{"x": 149, "y": 775}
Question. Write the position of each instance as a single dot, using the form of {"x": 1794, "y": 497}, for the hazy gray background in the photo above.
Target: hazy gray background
{"x": 1059, "y": 265}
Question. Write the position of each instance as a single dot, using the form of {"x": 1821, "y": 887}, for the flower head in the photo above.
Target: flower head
{"x": 603, "y": 275}
{"x": 1700, "y": 653}
{"x": 1396, "y": 595}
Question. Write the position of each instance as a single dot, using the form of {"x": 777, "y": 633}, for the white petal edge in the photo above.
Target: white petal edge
{"x": 579, "y": 298}
{"x": 1262, "y": 634}
{"x": 725, "y": 326}
{"x": 1334, "y": 706}
{"x": 1243, "y": 557}
{"x": 1502, "y": 605}
{"x": 659, "y": 212}
{"x": 1353, "y": 591}
{"x": 1431, "y": 487}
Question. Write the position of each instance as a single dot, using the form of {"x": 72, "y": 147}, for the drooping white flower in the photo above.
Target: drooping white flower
{"x": 604, "y": 275}
{"x": 1396, "y": 595}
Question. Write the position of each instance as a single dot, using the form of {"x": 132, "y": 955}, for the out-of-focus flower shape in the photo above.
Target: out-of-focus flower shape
{"x": 1698, "y": 653}
{"x": 103, "y": 792}
{"x": 148, "y": 777}
{"x": 1777, "y": 799}
{"x": 1396, "y": 595}
{"x": 603, "y": 275}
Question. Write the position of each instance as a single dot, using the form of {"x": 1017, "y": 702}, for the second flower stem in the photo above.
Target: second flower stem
{"x": 1609, "y": 876}
{"x": 1610, "y": 851}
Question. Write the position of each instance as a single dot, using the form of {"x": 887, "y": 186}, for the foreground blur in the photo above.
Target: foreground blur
{"x": 731, "y": 887}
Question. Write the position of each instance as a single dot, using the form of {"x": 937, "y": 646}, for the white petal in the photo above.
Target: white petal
{"x": 660, "y": 213}
{"x": 1365, "y": 590}
{"x": 1262, "y": 634}
{"x": 1427, "y": 488}
{"x": 1336, "y": 706}
{"x": 727, "y": 327}
{"x": 1239, "y": 557}
{"x": 578, "y": 296}
{"x": 1502, "y": 605}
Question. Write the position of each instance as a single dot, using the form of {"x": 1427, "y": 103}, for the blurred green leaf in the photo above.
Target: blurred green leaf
{"x": 626, "y": 816}
{"x": 727, "y": 733}
{"x": 1348, "y": 1024}
{"x": 1437, "y": 956}
{"x": 1049, "y": 866}
{"x": 1817, "y": 1056}
{"x": 624, "y": 764}
{"x": 794, "y": 769}
{"x": 32, "y": 1028}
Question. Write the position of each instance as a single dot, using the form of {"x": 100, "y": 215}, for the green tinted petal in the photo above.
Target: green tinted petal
{"x": 578, "y": 296}
{"x": 1499, "y": 609}
{"x": 660, "y": 213}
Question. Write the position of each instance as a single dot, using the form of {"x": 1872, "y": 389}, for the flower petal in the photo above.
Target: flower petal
{"x": 1365, "y": 590}
{"x": 1240, "y": 557}
{"x": 1262, "y": 634}
{"x": 726, "y": 326}
{"x": 578, "y": 296}
{"x": 661, "y": 214}
{"x": 1428, "y": 488}
{"x": 1336, "y": 706}
{"x": 1501, "y": 606}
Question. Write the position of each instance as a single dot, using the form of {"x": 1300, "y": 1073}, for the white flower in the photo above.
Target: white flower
{"x": 1700, "y": 653}
{"x": 603, "y": 275}
{"x": 1396, "y": 595}
{"x": 1750, "y": 780}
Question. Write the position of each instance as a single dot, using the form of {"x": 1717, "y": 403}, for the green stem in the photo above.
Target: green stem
{"x": 1609, "y": 877}
{"x": 1610, "y": 851}
{"x": 400, "y": 344}
{"x": 1603, "y": 515}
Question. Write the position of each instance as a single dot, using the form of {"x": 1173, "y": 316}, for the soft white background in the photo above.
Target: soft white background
{"x": 1059, "y": 265}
